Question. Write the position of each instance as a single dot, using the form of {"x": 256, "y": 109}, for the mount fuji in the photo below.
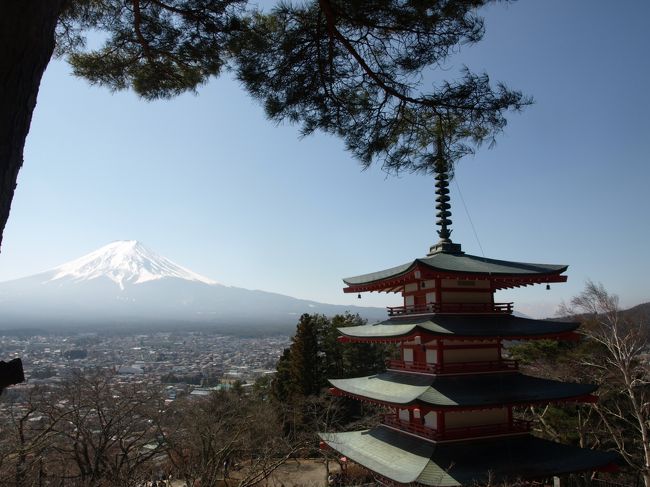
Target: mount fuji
{"x": 125, "y": 262}
{"x": 124, "y": 284}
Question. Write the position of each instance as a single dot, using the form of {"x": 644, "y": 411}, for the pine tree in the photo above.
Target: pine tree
{"x": 299, "y": 387}
{"x": 281, "y": 385}
{"x": 352, "y": 68}
{"x": 304, "y": 368}
{"x": 316, "y": 355}
{"x": 355, "y": 68}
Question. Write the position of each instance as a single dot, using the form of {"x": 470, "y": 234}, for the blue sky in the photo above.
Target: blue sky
{"x": 208, "y": 182}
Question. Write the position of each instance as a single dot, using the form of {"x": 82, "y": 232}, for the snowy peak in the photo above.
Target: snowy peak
{"x": 155, "y": 292}
{"x": 124, "y": 262}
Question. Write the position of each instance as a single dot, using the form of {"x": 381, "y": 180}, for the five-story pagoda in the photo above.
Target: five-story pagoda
{"x": 450, "y": 396}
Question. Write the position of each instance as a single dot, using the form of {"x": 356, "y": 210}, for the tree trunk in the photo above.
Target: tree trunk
{"x": 26, "y": 46}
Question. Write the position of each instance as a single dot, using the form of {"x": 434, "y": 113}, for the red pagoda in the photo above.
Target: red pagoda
{"x": 451, "y": 394}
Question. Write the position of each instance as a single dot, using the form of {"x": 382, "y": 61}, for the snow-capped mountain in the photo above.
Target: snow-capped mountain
{"x": 124, "y": 262}
{"x": 124, "y": 284}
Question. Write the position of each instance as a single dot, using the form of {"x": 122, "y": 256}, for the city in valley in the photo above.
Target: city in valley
{"x": 185, "y": 362}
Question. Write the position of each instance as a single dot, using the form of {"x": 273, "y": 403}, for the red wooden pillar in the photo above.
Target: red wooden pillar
{"x": 419, "y": 354}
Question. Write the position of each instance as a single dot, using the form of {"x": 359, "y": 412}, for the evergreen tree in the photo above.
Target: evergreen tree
{"x": 355, "y": 68}
{"x": 159, "y": 48}
{"x": 316, "y": 355}
{"x": 299, "y": 387}
{"x": 281, "y": 385}
{"x": 352, "y": 68}
{"x": 304, "y": 365}
{"x": 356, "y": 359}
{"x": 332, "y": 353}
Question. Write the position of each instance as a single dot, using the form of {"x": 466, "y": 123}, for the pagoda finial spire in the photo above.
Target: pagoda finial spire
{"x": 442, "y": 203}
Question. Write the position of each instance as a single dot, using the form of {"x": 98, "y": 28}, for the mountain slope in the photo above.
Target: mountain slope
{"x": 641, "y": 310}
{"x": 125, "y": 283}
{"x": 124, "y": 261}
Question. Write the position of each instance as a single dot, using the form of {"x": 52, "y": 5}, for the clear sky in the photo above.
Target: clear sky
{"x": 208, "y": 182}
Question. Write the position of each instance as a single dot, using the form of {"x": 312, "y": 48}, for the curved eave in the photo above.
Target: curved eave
{"x": 461, "y": 392}
{"x": 502, "y": 274}
{"x": 410, "y": 460}
{"x": 379, "y": 276}
{"x": 467, "y": 326}
{"x": 379, "y": 332}
{"x": 397, "y": 457}
{"x": 394, "y": 284}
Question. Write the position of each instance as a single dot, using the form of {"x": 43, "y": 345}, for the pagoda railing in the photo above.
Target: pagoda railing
{"x": 500, "y": 308}
{"x": 517, "y": 426}
{"x": 454, "y": 368}
{"x": 397, "y": 364}
{"x": 412, "y": 427}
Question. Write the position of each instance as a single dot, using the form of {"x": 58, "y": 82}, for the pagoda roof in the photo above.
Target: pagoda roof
{"x": 408, "y": 459}
{"x": 488, "y": 326}
{"x": 460, "y": 391}
{"x": 448, "y": 263}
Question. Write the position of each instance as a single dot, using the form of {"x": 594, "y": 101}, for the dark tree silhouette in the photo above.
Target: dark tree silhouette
{"x": 26, "y": 45}
{"x": 353, "y": 68}
{"x": 356, "y": 69}
{"x": 299, "y": 388}
{"x": 158, "y": 48}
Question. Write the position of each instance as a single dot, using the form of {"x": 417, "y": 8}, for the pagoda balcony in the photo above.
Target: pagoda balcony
{"x": 416, "y": 428}
{"x": 453, "y": 368}
{"x": 518, "y": 426}
{"x": 469, "y": 308}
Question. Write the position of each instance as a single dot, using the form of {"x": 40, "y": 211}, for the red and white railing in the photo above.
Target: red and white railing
{"x": 469, "y": 308}
{"x": 454, "y": 368}
{"x": 517, "y": 426}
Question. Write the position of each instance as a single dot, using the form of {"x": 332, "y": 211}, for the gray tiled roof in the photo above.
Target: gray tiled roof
{"x": 461, "y": 263}
{"x": 461, "y": 390}
{"x": 502, "y": 326}
{"x": 405, "y": 459}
